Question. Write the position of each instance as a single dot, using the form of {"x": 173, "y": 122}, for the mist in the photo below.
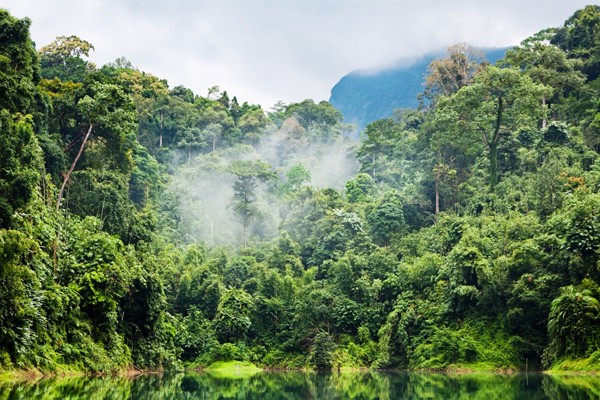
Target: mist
{"x": 204, "y": 188}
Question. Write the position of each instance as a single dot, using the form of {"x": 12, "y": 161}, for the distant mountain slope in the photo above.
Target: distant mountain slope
{"x": 363, "y": 96}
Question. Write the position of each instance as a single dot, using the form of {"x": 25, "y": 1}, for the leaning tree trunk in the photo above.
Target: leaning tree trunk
{"x": 68, "y": 174}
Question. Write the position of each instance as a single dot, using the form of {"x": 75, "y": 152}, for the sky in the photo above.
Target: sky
{"x": 265, "y": 51}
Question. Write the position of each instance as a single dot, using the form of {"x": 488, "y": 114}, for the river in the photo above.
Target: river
{"x": 301, "y": 385}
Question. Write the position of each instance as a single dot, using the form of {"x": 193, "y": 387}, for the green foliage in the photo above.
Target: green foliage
{"x": 243, "y": 202}
{"x": 386, "y": 219}
{"x": 196, "y": 338}
{"x": 20, "y": 296}
{"x": 478, "y": 347}
{"x": 499, "y": 102}
{"x": 62, "y": 59}
{"x": 573, "y": 327}
{"x": 19, "y": 69}
{"x": 321, "y": 351}
{"x": 308, "y": 113}
{"x": 97, "y": 269}
{"x": 578, "y": 223}
{"x": 360, "y": 189}
{"x": 296, "y": 177}
{"x": 20, "y": 166}
{"x": 579, "y": 38}
{"x": 232, "y": 320}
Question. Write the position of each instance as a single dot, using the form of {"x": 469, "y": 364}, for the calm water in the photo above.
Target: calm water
{"x": 296, "y": 385}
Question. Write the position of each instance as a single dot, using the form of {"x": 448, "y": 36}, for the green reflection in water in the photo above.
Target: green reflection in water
{"x": 299, "y": 385}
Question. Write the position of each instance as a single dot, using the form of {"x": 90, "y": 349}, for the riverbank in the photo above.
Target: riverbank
{"x": 240, "y": 369}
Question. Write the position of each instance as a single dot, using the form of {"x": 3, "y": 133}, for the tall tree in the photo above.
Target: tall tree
{"x": 63, "y": 59}
{"x": 499, "y": 102}
{"x": 547, "y": 64}
{"x": 377, "y": 151}
{"x": 447, "y": 75}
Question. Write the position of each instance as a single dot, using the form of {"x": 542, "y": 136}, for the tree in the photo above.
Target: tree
{"x": 378, "y": 149}
{"x": 453, "y": 150}
{"x": 308, "y": 113}
{"x": 445, "y": 76}
{"x": 193, "y": 138}
{"x": 153, "y": 102}
{"x": 234, "y": 315}
{"x": 572, "y": 324}
{"x": 499, "y": 102}
{"x": 360, "y": 189}
{"x": 321, "y": 351}
{"x": 21, "y": 165}
{"x": 19, "y": 70}
{"x": 248, "y": 174}
{"x": 62, "y": 59}
{"x": 547, "y": 64}
{"x": 441, "y": 173}
{"x": 386, "y": 219}
{"x": 214, "y": 120}
{"x": 295, "y": 178}
{"x": 579, "y": 38}
{"x": 251, "y": 124}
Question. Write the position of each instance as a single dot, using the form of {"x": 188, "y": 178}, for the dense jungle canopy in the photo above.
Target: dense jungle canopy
{"x": 149, "y": 226}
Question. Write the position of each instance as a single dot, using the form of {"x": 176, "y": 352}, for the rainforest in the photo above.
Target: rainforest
{"x": 149, "y": 227}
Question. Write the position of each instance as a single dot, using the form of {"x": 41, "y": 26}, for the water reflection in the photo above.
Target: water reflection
{"x": 299, "y": 385}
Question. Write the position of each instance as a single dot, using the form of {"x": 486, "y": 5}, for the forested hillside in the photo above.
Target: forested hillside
{"x": 147, "y": 226}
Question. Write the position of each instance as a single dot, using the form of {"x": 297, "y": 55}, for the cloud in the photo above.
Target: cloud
{"x": 263, "y": 51}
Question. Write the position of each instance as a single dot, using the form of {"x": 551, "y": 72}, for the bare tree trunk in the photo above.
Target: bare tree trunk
{"x": 68, "y": 175}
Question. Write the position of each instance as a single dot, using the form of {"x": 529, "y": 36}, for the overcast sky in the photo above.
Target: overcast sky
{"x": 263, "y": 51}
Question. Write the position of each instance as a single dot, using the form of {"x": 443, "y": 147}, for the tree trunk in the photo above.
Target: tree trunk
{"x": 493, "y": 165}
{"x": 437, "y": 195}
{"x": 68, "y": 175}
{"x": 493, "y": 146}
{"x": 544, "y": 117}
{"x": 373, "y": 158}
